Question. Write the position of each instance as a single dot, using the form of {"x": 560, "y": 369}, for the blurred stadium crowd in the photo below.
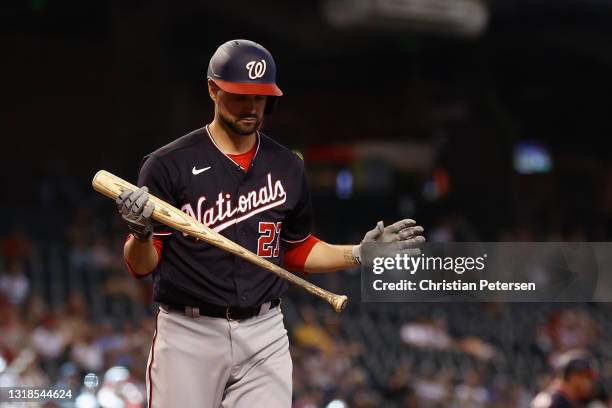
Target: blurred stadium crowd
{"x": 68, "y": 308}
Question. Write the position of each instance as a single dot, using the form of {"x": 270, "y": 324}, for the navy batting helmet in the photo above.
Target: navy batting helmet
{"x": 244, "y": 67}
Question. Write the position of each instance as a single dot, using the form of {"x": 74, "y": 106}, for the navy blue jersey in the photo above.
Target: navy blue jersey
{"x": 262, "y": 210}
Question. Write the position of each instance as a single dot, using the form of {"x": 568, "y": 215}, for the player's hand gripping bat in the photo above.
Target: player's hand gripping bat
{"x": 111, "y": 186}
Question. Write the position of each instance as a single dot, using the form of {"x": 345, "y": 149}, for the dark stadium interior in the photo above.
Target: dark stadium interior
{"x": 91, "y": 86}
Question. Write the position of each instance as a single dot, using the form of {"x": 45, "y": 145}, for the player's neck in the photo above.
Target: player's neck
{"x": 230, "y": 142}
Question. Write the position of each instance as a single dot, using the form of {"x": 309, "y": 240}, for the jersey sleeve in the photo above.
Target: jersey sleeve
{"x": 156, "y": 177}
{"x": 298, "y": 224}
{"x": 297, "y": 254}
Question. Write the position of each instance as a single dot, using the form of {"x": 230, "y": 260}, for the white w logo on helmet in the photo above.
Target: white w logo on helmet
{"x": 256, "y": 69}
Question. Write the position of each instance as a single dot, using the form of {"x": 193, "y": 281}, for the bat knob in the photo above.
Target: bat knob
{"x": 339, "y": 303}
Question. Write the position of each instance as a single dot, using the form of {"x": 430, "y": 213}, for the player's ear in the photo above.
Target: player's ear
{"x": 213, "y": 89}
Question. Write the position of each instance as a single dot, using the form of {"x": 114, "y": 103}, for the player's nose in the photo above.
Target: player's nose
{"x": 251, "y": 106}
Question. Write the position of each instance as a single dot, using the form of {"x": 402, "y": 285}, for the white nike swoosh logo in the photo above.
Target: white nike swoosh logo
{"x": 198, "y": 171}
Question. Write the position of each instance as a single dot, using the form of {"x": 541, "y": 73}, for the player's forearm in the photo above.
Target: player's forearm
{"x": 326, "y": 257}
{"x": 141, "y": 256}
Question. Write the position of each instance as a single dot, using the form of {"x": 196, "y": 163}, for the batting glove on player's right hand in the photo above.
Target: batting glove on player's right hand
{"x": 400, "y": 237}
{"x": 132, "y": 206}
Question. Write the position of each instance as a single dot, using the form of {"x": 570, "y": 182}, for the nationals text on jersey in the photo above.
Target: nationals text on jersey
{"x": 248, "y": 205}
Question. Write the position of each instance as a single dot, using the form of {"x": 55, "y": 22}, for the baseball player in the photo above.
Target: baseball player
{"x": 220, "y": 339}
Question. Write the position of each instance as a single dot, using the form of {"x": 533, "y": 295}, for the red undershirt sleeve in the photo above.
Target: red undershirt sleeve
{"x": 159, "y": 246}
{"x": 296, "y": 254}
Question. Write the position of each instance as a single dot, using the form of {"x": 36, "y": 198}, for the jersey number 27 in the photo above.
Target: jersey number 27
{"x": 265, "y": 244}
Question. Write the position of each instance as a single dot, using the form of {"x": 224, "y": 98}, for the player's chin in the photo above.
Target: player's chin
{"x": 246, "y": 127}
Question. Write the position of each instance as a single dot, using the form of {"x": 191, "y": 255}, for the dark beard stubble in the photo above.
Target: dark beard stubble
{"x": 236, "y": 128}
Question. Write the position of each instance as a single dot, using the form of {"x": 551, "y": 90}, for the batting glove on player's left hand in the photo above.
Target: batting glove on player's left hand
{"x": 404, "y": 235}
{"x": 132, "y": 206}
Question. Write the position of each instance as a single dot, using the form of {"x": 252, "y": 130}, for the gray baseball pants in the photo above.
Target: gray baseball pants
{"x": 209, "y": 362}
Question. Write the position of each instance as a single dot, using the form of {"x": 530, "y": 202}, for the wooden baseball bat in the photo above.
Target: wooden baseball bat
{"x": 112, "y": 186}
